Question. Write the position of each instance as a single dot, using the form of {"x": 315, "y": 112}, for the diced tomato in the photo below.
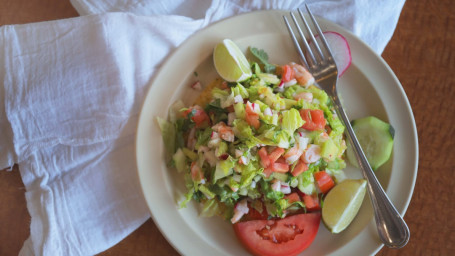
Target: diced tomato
{"x": 311, "y": 202}
{"x": 281, "y": 160}
{"x": 280, "y": 167}
{"x": 299, "y": 168}
{"x": 265, "y": 160}
{"x": 198, "y": 115}
{"x": 287, "y": 73}
{"x": 293, "y": 197}
{"x": 324, "y": 181}
{"x": 314, "y": 119}
{"x": 276, "y": 153}
{"x": 253, "y": 120}
{"x": 288, "y": 236}
{"x": 268, "y": 171}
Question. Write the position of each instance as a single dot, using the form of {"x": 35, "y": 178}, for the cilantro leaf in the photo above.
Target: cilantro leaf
{"x": 263, "y": 57}
{"x": 260, "y": 54}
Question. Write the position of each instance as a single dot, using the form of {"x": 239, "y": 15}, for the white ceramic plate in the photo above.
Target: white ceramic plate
{"x": 368, "y": 87}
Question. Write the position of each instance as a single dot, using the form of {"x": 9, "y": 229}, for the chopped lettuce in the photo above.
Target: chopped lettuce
{"x": 211, "y": 208}
{"x": 228, "y": 167}
{"x": 269, "y": 78}
{"x": 168, "y": 133}
{"x": 239, "y": 89}
{"x": 179, "y": 159}
{"x": 203, "y": 136}
{"x": 283, "y": 139}
{"x": 239, "y": 110}
{"x": 224, "y": 168}
{"x": 206, "y": 191}
{"x": 291, "y": 120}
{"x": 242, "y": 129}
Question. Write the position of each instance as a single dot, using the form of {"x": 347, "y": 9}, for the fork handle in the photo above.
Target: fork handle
{"x": 392, "y": 229}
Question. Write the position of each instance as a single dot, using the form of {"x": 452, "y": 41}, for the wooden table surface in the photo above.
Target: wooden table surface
{"x": 422, "y": 55}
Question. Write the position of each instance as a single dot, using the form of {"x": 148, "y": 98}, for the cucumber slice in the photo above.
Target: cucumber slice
{"x": 376, "y": 139}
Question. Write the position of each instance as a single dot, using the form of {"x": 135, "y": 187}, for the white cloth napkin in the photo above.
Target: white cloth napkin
{"x": 71, "y": 95}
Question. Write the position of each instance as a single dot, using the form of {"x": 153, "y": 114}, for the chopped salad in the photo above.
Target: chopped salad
{"x": 267, "y": 147}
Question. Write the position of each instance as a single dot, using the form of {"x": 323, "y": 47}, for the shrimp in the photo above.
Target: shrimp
{"x": 302, "y": 75}
{"x": 225, "y": 132}
{"x": 312, "y": 154}
{"x": 293, "y": 154}
{"x": 306, "y": 96}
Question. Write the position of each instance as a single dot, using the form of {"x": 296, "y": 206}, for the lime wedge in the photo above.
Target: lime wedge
{"x": 230, "y": 63}
{"x": 342, "y": 204}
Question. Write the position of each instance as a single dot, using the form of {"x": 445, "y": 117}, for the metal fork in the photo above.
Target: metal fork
{"x": 392, "y": 229}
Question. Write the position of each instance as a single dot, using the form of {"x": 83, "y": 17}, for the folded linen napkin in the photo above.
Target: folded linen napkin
{"x": 72, "y": 91}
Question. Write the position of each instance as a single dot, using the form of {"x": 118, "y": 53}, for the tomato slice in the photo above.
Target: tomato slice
{"x": 254, "y": 214}
{"x": 314, "y": 119}
{"x": 288, "y": 236}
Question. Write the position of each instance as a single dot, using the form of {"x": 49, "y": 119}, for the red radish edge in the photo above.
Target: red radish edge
{"x": 340, "y": 49}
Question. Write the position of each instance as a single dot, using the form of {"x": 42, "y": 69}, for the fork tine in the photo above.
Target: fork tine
{"x": 296, "y": 42}
{"x": 313, "y": 39}
{"x": 318, "y": 29}
{"x": 305, "y": 43}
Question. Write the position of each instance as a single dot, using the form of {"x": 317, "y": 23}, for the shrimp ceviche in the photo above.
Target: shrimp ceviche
{"x": 261, "y": 151}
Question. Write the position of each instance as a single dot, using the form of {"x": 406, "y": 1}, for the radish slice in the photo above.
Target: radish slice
{"x": 340, "y": 50}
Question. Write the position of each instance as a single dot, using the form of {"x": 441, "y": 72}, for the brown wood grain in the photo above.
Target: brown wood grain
{"x": 422, "y": 55}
